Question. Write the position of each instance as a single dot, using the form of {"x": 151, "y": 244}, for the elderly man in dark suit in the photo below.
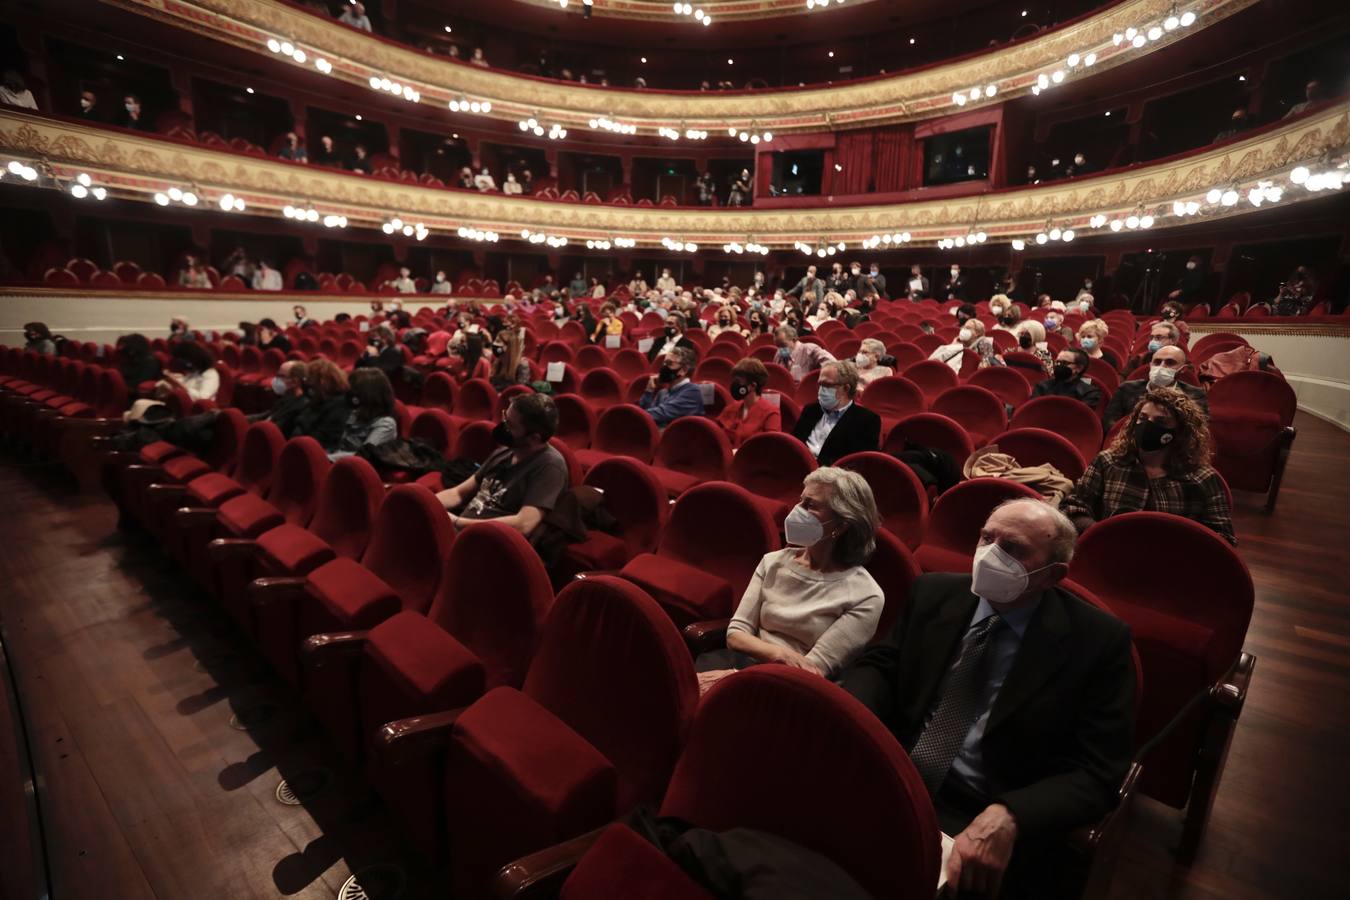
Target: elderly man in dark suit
{"x": 834, "y": 426}
{"x": 1015, "y": 701}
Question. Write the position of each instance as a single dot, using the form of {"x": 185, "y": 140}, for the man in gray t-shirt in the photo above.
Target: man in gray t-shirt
{"x": 519, "y": 483}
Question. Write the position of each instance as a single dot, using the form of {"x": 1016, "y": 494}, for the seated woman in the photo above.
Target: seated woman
{"x": 474, "y": 363}
{"x": 749, "y": 413}
{"x": 988, "y": 352}
{"x": 136, "y": 361}
{"x": 192, "y": 368}
{"x": 725, "y": 320}
{"x": 371, "y": 421}
{"x": 1091, "y": 335}
{"x": 37, "y": 338}
{"x": 1158, "y": 462}
{"x": 811, "y": 606}
{"x": 509, "y": 365}
{"x": 868, "y": 360}
{"x": 324, "y": 416}
{"x": 1031, "y": 339}
{"x": 759, "y": 324}
{"x": 610, "y": 325}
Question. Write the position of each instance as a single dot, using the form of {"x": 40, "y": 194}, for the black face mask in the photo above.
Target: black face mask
{"x": 1155, "y": 436}
{"x": 503, "y": 436}
{"x": 498, "y": 350}
{"x": 739, "y": 389}
{"x": 671, "y": 332}
{"x": 1063, "y": 372}
{"x": 1007, "y": 321}
{"x": 666, "y": 375}
{"x": 1024, "y": 341}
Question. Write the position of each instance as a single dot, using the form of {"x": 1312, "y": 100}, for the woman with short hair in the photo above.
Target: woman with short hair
{"x": 749, "y": 413}
{"x": 813, "y": 605}
{"x": 868, "y": 361}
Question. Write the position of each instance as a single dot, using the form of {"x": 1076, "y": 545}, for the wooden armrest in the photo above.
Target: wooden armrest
{"x": 704, "y": 636}
{"x": 194, "y": 516}
{"x": 542, "y": 873}
{"x": 1086, "y": 838}
{"x": 143, "y": 471}
{"x": 166, "y": 491}
{"x": 1230, "y": 694}
{"x": 320, "y": 650}
{"x": 582, "y": 576}
{"x": 407, "y": 739}
{"x": 1099, "y": 845}
{"x": 222, "y": 549}
{"x": 266, "y": 591}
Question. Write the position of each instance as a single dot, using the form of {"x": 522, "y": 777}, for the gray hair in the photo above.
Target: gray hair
{"x": 852, "y": 501}
{"x": 874, "y": 346}
{"x": 847, "y": 372}
{"x": 688, "y": 358}
{"x": 1173, "y": 332}
{"x": 786, "y": 331}
{"x": 1066, "y": 535}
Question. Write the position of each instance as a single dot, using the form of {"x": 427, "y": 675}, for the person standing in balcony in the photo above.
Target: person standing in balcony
{"x": 955, "y": 288}
{"x": 132, "y": 115}
{"x": 740, "y": 190}
{"x": 90, "y": 111}
{"x": 483, "y": 181}
{"x": 478, "y": 59}
{"x": 510, "y": 186}
{"x": 360, "y": 161}
{"x": 266, "y": 278}
{"x": 327, "y": 154}
{"x": 355, "y": 16}
{"x": 292, "y": 149}
{"x": 707, "y": 190}
{"x": 14, "y": 92}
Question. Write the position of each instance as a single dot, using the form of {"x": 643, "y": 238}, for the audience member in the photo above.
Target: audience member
{"x": 670, "y": 395}
{"x": 270, "y": 337}
{"x": 292, "y": 149}
{"x": 955, "y": 288}
{"x": 474, "y": 364}
{"x": 509, "y": 365}
{"x": 478, "y": 59}
{"x": 988, "y": 354}
{"x": 610, "y": 325}
{"x": 1031, "y": 339}
{"x": 382, "y": 351}
{"x": 749, "y": 413}
{"x": 868, "y": 361}
{"x": 725, "y": 322}
{"x": 266, "y": 278}
{"x": 511, "y": 187}
{"x": 14, "y": 92}
{"x": 327, "y": 154}
{"x": 442, "y": 284}
{"x": 971, "y": 331}
{"x": 192, "y": 368}
{"x": 1189, "y": 285}
{"x": 38, "y": 339}
{"x": 1296, "y": 295}
{"x": 811, "y": 605}
{"x": 179, "y": 331}
{"x": 809, "y": 284}
{"x": 466, "y": 179}
{"x": 834, "y": 426}
{"x": 674, "y": 337}
{"x": 1092, "y": 338}
{"x": 302, "y": 319}
{"x": 324, "y": 417}
{"x": 739, "y": 195}
{"x": 371, "y": 421}
{"x": 288, "y": 386}
{"x": 1159, "y": 461}
{"x": 239, "y": 265}
{"x": 1236, "y": 125}
{"x": 1067, "y": 379}
{"x": 90, "y": 111}
{"x": 483, "y": 181}
{"x": 131, "y": 116}
{"x": 193, "y": 274}
{"x": 1160, "y": 334}
{"x": 1312, "y": 95}
{"x": 758, "y": 323}
{"x": 519, "y": 484}
{"x": 355, "y": 16}
{"x": 404, "y": 283}
{"x": 136, "y": 361}
{"x": 799, "y": 357}
{"x": 706, "y": 189}
{"x": 1164, "y": 371}
{"x": 917, "y": 286}
{"x": 1011, "y": 773}
{"x": 360, "y": 160}
{"x": 665, "y": 284}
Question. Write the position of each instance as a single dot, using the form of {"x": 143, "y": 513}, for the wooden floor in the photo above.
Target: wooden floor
{"x": 129, "y": 681}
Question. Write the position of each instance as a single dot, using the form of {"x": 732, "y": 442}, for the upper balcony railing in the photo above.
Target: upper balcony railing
{"x": 1073, "y": 51}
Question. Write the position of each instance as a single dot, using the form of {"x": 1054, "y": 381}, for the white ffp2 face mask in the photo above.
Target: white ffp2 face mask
{"x": 1161, "y": 376}
{"x": 801, "y": 528}
{"x": 997, "y": 577}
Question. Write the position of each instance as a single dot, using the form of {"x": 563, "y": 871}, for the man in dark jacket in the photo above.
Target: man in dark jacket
{"x": 809, "y": 283}
{"x": 1014, "y": 700}
{"x": 1068, "y": 379}
{"x": 835, "y": 426}
{"x": 1164, "y": 371}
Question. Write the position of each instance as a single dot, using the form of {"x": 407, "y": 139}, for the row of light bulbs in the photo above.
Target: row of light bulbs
{"x": 693, "y": 134}
{"x": 688, "y": 9}
{"x": 748, "y": 247}
{"x": 896, "y": 239}
{"x": 822, "y": 249}
{"x": 539, "y": 237}
{"x": 555, "y": 132}
{"x": 820, "y": 4}
{"x": 608, "y": 124}
{"x": 621, "y": 243}
{"x": 679, "y": 246}
{"x": 478, "y": 234}
{"x": 406, "y": 91}
{"x": 396, "y": 225}
{"x": 83, "y": 186}
{"x": 464, "y": 104}
{"x": 753, "y": 137}
{"x": 176, "y": 195}
{"x": 970, "y": 238}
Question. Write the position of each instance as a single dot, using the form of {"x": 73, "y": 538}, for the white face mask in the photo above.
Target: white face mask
{"x": 964, "y": 335}
{"x": 801, "y": 528}
{"x": 997, "y": 577}
{"x": 863, "y": 361}
{"x": 955, "y": 272}
{"x": 1161, "y": 376}
{"x": 1190, "y": 265}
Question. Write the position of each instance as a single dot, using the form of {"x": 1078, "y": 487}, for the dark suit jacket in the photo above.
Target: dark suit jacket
{"x": 1077, "y": 388}
{"x": 1124, "y": 399}
{"x": 857, "y": 429}
{"x": 660, "y": 341}
{"x": 1060, "y": 735}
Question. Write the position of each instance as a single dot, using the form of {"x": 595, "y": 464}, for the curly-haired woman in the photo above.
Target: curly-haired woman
{"x": 1158, "y": 462}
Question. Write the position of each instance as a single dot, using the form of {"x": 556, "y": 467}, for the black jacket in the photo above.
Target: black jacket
{"x": 1060, "y": 735}
{"x": 858, "y": 429}
{"x": 1077, "y": 388}
{"x": 954, "y": 289}
{"x": 660, "y": 342}
{"x": 1129, "y": 392}
{"x": 324, "y": 421}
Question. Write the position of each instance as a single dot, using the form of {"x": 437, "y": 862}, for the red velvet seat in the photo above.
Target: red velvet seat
{"x": 772, "y": 467}
{"x": 435, "y": 428}
{"x": 978, "y": 410}
{"x": 602, "y": 388}
{"x": 629, "y": 363}
{"x": 439, "y": 392}
{"x": 894, "y": 569}
{"x": 932, "y": 377}
{"x": 893, "y": 398}
{"x": 708, "y": 551}
{"x": 692, "y": 451}
{"x": 885, "y": 836}
{"x": 635, "y": 497}
{"x": 476, "y": 402}
{"x": 226, "y": 440}
{"x": 1066, "y": 417}
{"x": 1004, "y": 382}
{"x": 1036, "y": 446}
{"x": 589, "y": 357}
{"x": 930, "y": 430}
{"x": 1189, "y": 623}
{"x": 623, "y": 430}
{"x": 1251, "y": 417}
{"x": 576, "y": 421}
{"x": 902, "y": 500}
{"x": 957, "y": 517}
{"x": 588, "y": 735}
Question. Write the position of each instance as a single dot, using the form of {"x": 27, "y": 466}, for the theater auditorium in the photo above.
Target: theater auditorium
{"x": 739, "y": 449}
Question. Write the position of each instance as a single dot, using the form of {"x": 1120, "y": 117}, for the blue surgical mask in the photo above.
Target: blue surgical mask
{"x": 1088, "y": 343}
{"x": 1051, "y": 323}
{"x": 1153, "y": 345}
{"x": 279, "y": 386}
{"x": 828, "y": 398}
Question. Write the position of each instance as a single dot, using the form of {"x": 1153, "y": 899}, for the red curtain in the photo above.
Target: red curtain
{"x": 890, "y": 157}
{"x": 853, "y": 151}
{"x": 872, "y": 161}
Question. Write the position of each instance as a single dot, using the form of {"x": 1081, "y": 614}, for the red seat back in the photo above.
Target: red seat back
{"x": 635, "y": 497}
{"x": 263, "y": 443}
{"x": 626, "y": 430}
{"x": 477, "y": 400}
{"x": 894, "y": 569}
{"x": 695, "y": 446}
{"x": 435, "y": 428}
{"x": 979, "y": 411}
{"x": 301, "y": 469}
{"x": 602, "y": 388}
{"x": 1254, "y": 391}
{"x": 719, "y": 528}
{"x": 348, "y": 500}
{"x": 893, "y": 397}
{"x": 1066, "y": 417}
{"x": 410, "y": 541}
{"x": 772, "y": 464}
{"x": 1037, "y": 446}
{"x": 576, "y": 421}
{"x": 629, "y": 363}
{"x": 930, "y": 430}
{"x": 931, "y": 376}
{"x": 902, "y": 501}
{"x": 1005, "y": 383}
{"x": 589, "y": 357}
{"x": 439, "y": 392}
{"x": 957, "y": 517}
{"x": 885, "y": 837}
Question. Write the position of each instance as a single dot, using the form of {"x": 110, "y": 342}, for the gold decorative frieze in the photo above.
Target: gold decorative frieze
{"x": 1012, "y": 71}
{"x": 137, "y": 166}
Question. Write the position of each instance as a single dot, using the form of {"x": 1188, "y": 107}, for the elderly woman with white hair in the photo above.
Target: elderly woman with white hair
{"x": 812, "y": 605}
{"x": 868, "y": 361}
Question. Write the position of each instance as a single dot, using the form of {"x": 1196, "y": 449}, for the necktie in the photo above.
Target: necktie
{"x": 947, "y": 728}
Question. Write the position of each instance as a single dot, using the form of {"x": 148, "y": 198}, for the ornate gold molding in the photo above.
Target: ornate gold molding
{"x": 136, "y": 166}
{"x": 927, "y": 93}
{"x": 660, "y": 11}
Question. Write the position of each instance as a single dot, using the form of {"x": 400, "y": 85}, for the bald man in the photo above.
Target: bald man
{"x": 1164, "y": 370}
{"x": 1014, "y": 699}
{"x": 288, "y": 393}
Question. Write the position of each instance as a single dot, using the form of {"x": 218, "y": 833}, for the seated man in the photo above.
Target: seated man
{"x": 518, "y": 484}
{"x": 1012, "y": 771}
{"x": 1161, "y": 334}
{"x": 1164, "y": 370}
{"x": 289, "y": 386}
{"x": 1160, "y": 462}
{"x": 834, "y": 426}
{"x": 1068, "y": 380}
{"x": 972, "y": 330}
{"x": 670, "y": 395}
{"x": 798, "y": 357}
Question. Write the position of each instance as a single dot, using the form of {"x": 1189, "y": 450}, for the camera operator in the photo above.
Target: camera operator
{"x": 1295, "y": 297}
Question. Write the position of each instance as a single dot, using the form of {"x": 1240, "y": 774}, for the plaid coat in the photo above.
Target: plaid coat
{"x": 1110, "y": 487}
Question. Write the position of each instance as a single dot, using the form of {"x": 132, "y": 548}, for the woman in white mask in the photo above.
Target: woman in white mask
{"x": 812, "y": 605}
{"x": 868, "y": 361}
